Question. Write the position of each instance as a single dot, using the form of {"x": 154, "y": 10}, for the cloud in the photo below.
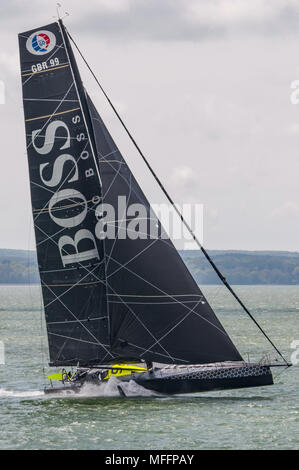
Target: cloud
{"x": 204, "y": 87}
{"x": 167, "y": 20}
{"x": 183, "y": 176}
{"x": 287, "y": 210}
{"x": 190, "y": 20}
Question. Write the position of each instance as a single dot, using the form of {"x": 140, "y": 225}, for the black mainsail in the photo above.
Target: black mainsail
{"x": 65, "y": 191}
{"x": 157, "y": 311}
{"x": 104, "y": 298}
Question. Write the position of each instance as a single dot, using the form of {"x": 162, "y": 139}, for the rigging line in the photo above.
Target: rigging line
{"x": 170, "y": 296}
{"x": 156, "y": 352}
{"x": 40, "y": 300}
{"x": 107, "y": 154}
{"x": 79, "y": 321}
{"x": 74, "y": 339}
{"x": 131, "y": 302}
{"x": 61, "y": 295}
{"x": 46, "y": 123}
{"x": 120, "y": 227}
{"x": 131, "y": 188}
{"x": 141, "y": 322}
{"x": 121, "y": 266}
{"x": 141, "y": 200}
{"x": 219, "y": 274}
{"x": 89, "y": 209}
{"x": 111, "y": 161}
{"x": 173, "y": 328}
{"x": 91, "y": 273}
{"x": 62, "y": 183}
{"x": 78, "y": 284}
{"x": 62, "y": 27}
{"x": 82, "y": 266}
{"x": 145, "y": 235}
{"x": 116, "y": 173}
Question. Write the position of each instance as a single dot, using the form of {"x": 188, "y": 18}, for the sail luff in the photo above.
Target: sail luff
{"x": 80, "y": 91}
{"x": 84, "y": 100}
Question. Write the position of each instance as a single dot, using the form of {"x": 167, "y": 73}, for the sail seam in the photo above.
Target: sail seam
{"x": 51, "y": 101}
{"x": 158, "y": 288}
{"x": 159, "y": 296}
{"x": 75, "y": 321}
{"x": 46, "y": 70}
{"x": 60, "y": 46}
{"x": 67, "y": 206}
{"x": 141, "y": 322}
{"x": 78, "y": 284}
{"x": 153, "y": 303}
{"x": 116, "y": 238}
{"x": 47, "y": 122}
{"x": 88, "y": 301}
{"x": 51, "y": 115}
{"x": 76, "y": 339}
{"x": 84, "y": 118}
{"x": 172, "y": 329}
{"x": 67, "y": 269}
{"x": 88, "y": 331}
{"x": 157, "y": 353}
{"x": 84, "y": 267}
{"x": 60, "y": 186}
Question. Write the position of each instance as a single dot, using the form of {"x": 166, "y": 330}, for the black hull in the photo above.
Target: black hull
{"x": 181, "y": 385}
{"x": 183, "y": 380}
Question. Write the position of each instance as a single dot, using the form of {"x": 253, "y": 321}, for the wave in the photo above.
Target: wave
{"x": 112, "y": 388}
{"x": 20, "y": 394}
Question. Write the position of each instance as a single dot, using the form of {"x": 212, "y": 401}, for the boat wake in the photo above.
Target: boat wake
{"x": 112, "y": 388}
{"x": 20, "y": 394}
{"x": 115, "y": 388}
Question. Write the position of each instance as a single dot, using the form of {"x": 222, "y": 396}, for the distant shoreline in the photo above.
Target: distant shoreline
{"x": 240, "y": 267}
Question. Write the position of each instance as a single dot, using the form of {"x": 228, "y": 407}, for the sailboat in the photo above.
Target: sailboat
{"x": 119, "y": 307}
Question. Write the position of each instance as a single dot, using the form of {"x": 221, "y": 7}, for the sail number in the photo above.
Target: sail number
{"x": 44, "y": 65}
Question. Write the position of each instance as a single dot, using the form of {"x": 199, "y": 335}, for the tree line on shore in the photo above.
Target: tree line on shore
{"x": 239, "y": 267}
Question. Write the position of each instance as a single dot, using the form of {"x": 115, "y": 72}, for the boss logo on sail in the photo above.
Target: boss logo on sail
{"x": 41, "y": 42}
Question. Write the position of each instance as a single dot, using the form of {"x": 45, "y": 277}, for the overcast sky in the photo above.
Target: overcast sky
{"x": 204, "y": 86}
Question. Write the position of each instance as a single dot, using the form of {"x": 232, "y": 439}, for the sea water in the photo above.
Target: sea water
{"x": 257, "y": 418}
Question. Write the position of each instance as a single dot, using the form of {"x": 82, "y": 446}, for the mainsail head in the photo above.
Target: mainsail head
{"x": 104, "y": 298}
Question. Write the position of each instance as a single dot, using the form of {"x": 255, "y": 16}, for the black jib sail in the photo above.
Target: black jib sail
{"x": 105, "y": 298}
